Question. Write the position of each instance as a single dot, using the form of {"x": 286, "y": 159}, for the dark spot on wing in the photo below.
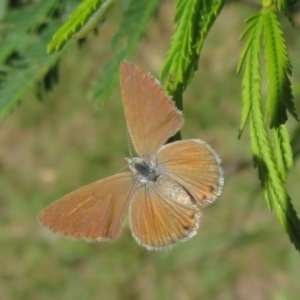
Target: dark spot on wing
{"x": 186, "y": 227}
{"x": 211, "y": 188}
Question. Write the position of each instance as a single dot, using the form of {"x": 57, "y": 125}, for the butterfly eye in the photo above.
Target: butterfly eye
{"x": 94, "y": 19}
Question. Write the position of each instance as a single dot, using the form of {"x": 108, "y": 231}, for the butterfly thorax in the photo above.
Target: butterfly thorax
{"x": 145, "y": 170}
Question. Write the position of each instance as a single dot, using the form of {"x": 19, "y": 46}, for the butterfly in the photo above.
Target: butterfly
{"x": 167, "y": 184}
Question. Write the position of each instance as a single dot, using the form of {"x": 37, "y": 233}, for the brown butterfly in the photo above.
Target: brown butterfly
{"x": 166, "y": 187}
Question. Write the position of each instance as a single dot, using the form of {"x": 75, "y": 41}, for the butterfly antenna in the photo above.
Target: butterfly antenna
{"x": 130, "y": 152}
{"x": 129, "y": 143}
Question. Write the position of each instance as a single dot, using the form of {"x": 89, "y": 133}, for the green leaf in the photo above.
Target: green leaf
{"x": 272, "y": 163}
{"x": 29, "y": 18}
{"x": 89, "y": 13}
{"x": 253, "y": 20}
{"x": 194, "y": 19}
{"x": 208, "y": 12}
{"x": 24, "y": 61}
{"x": 276, "y": 194}
{"x": 282, "y": 150}
{"x": 180, "y": 54}
{"x": 35, "y": 65}
{"x": 251, "y": 79}
{"x": 287, "y": 7}
{"x": 280, "y": 97}
{"x": 93, "y": 21}
{"x": 17, "y": 24}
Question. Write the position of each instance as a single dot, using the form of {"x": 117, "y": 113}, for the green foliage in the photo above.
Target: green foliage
{"x": 280, "y": 97}
{"x": 82, "y": 21}
{"x": 24, "y": 66}
{"x": 134, "y": 23}
{"x": 24, "y": 62}
{"x": 285, "y": 6}
{"x": 132, "y": 26}
{"x": 194, "y": 18}
{"x": 271, "y": 159}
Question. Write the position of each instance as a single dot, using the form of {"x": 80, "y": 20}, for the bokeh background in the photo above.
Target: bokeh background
{"x": 53, "y": 147}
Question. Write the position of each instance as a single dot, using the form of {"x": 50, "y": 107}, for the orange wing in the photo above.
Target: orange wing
{"x": 158, "y": 220}
{"x": 93, "y": 212}
{"x": 150, "y": 114}
{"x": 194, "y": 165}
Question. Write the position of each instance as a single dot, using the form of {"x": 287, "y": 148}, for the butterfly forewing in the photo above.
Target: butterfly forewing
{"x": 93, "y": 212}
{"x": 150, "y": 113}
{"x": 194, "y": 165}
{"x": 160, "y": 217}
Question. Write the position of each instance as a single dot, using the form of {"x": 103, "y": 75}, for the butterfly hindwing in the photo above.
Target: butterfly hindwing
{"x": 162, "y": 214}
{"x": 194, "y": 165}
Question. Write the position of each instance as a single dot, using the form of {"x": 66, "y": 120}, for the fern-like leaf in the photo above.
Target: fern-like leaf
{"x": 287, "y": 7}
{"x": 272, "y": 162}
{"x": 23, "y": 55}
{"x": 17, "y": 24}
{"x": 282, "y": 150}
{"x": 208, "y": 12}
{"x": 274, "y": 190}
{"x": 181, "y": 52}
{"x": 92, "y": 22}
{"x": 87, "y": 15}
{"x": 252, "y": 23}
{"x": 36, "y": 64}
{"x": 280, "y": 97}
{"x": 250, "y": 89}
{"x": 194, "y": 18}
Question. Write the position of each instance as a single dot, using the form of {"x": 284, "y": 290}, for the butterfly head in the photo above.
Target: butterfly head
{"x": 145, "y": 170}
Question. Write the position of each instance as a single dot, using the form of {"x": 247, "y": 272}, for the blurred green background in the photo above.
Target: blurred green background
{"x": 53, "y": 147}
